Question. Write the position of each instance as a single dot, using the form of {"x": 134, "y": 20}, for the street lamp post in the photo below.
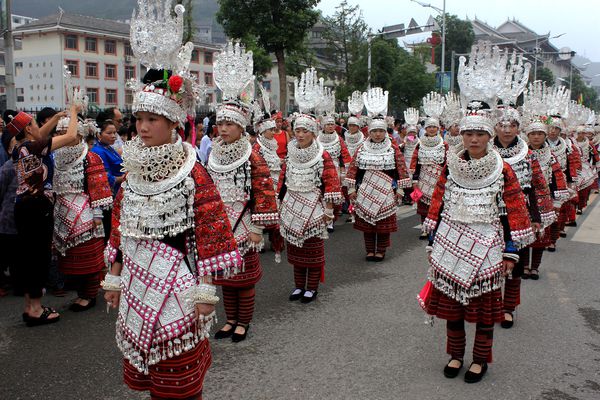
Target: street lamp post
{"x": 441, "y": 11}
{"x": 536, "y": 52}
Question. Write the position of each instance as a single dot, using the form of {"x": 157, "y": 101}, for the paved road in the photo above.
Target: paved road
{"x": 364, "y": 338}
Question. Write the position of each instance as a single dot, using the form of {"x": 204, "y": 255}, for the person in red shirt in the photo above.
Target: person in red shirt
{"x": 281, "y": 136}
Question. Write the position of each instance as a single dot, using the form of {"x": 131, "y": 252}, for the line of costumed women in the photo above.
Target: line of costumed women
{"x": 429, "y": 156}
{"x": 309, "y": 188}
{"x": 266, "y": 145}
{"x": 82, "y": 191}
{"x": 170, "y": 231}
{"x": 375, "y": 181}
{"x": 244, "y": 182}
{"x": 476, "y": 226}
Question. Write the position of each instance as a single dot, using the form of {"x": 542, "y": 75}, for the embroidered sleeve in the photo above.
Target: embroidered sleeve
{"x": 350, "y": 179}
{"x": 345, "y": 155}
{"x": 575, "y": 161}
{"x": 332, "y": 192}
{"x": 215, "y": 244}
{"x": 97, "y": 182}
{"x": 404, "y": 180}
{"x": 437, "y": 202}
{"x": 112, "y": 250}
{"x": 542, "y": 194}
{"x": 560, "y": 193}
{"x": 264, "y": 204}
{"x": 105, "y": 161}
{"x": 516, "y": 210}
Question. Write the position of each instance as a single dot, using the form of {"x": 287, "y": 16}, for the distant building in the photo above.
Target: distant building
{"x": 17, "y": 20}
{"x": 98, "y": 54}
{"x": 514, "y": 35}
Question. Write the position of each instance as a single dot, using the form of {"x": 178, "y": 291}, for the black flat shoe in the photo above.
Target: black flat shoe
{"x": 221, "y": 334}
{"x": 42, "y": 319}
{"x": 506, "y": 324}
{"x": 535, "y": 274}
{"x": 571, "y": 224}
{"x": 423, "y": 236}
{"x": 296, "y": 296}
{"x": 76, "y": 307}
{"x": 472, "y": 377}
{"x": 452, "y": 372}
{"x": 370, "y": 258}
{"x": 307, "y": 299}
{"x": 377, "y": 258}
{"x": 551, "y": 249}
{"x": 238, "y": 337}
{"x": 563, "y": 234}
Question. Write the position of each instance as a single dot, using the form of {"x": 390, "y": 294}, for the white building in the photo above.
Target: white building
{"x": 97, "y": 53}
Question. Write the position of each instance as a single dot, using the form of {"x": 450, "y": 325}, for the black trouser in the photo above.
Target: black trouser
{"x": 8, "y": 261}
{"x": 106, "y": 224}
{"x": 33, "y": 218}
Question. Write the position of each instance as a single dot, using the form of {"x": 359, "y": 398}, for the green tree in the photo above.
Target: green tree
{"x": 459, "y": 38}
{"x": 345, "y": 31}
{"x": 395, "y": 70}
{"x": 278, "y": 26}
{"x": 543, "y": 74}
{"x": 581, "y": 90}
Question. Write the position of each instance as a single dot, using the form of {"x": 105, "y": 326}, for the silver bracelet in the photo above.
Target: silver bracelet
{"x": 111, "y": 283}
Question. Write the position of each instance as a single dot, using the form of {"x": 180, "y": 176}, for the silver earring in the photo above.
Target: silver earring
{"x": 173, "y": 136}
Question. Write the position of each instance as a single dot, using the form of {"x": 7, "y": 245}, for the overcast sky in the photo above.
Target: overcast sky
{"x": 578, "y": 19}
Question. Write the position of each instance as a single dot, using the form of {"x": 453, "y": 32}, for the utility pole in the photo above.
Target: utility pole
{"x": 11, "y": 96}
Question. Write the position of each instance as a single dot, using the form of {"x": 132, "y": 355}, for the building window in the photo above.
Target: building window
{"x": 195, "y": 56}
{"x": 73, "y": 66}
{"x": 18, "y": 68}
{"x": 92, "y": 94}
{"x": 18, "y": 44}
{"x": 196, "y": 74}
{"x": 208, "y": 57}
{"x": 128, "y": 51}
{"x": 20, "y": 95}
{"x": 208, "y": 78}
{"x": 266, "y": 85}
{"x": 110, "y": 47}
{"x": 128, "y": 97}
{"x": 111, "y": 96}
{"x": 129, "y": 72}
{"x": 91, "y": 70}
{"x": 110, "y": 71}
{"x": 91, "y": 45}
{"x": 209, "y": 98}
{"x": 71, "y": 42}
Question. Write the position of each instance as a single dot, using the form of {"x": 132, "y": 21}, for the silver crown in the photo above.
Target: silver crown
{"x": 75, "y": 95}
{"x": 156, "y": 34}
{"x": 308, "y": 90}
{"x": 433, "y": 106}
{"x": 411, "y": 116}
{"x": 376, "y": 101}
{"x": 484, "y": 76}
{"x": 515, "y": 80}
{"x": 355, "y": 103}
{"x": 452, "y": 112}
{"x": 232, "y": 70}
{"x": 327, "y": 104}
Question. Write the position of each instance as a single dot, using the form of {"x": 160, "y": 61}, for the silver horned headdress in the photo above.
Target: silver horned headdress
{"x": 308, "y": 93}
{"x": 433, "y": 106}
{"x": 411, "y": 116}
{"x": 156, "y": 41}
{"x": 233, "y": 73}
{"x": 452, "y": 112}
{"x": 326, "y": 106}
{"x": 355, "y": 106}
{"x": 376, "y": 103}
{"x": 480, "y": 81}
{"x": 262, "y": 119}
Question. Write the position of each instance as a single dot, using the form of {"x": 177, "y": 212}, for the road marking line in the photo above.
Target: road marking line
{"x": 589, "y": 229}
